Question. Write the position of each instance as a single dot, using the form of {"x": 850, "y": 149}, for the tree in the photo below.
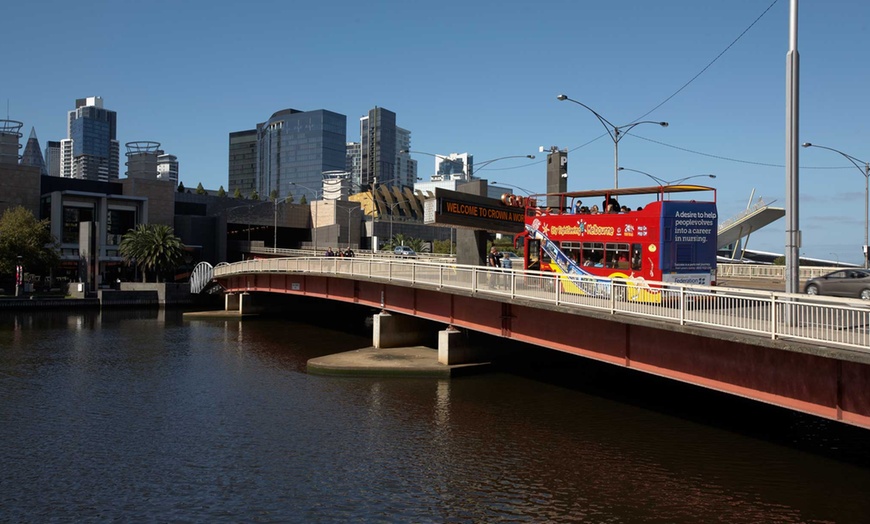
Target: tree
{"x": 21, "y": 234}
{"x": 443, "y": 247}
{"x": 238, "y": 193}
{"x": 255, "y": 195}
{"x": 221, "y": 192}
{"x": 303, "y": 200}
{"x": 200, "y": 190}
{"x": 273, "y": 195}
{"x": 153, "y": 247}
{"x": 289, "y": 198}
{"x": 181, "y": 187}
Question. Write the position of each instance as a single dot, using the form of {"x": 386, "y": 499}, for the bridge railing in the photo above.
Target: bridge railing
{"x": 823, "y": 320}
{"x": 768, "y": 271}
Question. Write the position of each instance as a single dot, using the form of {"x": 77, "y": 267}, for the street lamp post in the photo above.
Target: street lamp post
{"x": 275, "y": 223}
{"x": 350, "y": 212}
{"x": 866, "y": 172}
{"x": 616, "y": 133}
{"x": 838, "y": 258}
{"x": 663, "y": 182}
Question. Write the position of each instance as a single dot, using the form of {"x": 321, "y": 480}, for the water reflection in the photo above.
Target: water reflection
{"x": 143, "y": 416}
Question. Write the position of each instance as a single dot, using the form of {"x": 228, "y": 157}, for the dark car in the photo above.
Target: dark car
{"x": 853, "y": 283}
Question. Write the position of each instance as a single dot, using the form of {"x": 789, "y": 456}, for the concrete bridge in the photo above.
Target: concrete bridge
{"x": 810, "y": 354}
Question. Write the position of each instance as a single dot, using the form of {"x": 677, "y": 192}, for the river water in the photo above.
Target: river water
{"x": 147, "y": 416}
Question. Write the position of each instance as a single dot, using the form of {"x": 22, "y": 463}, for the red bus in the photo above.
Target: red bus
{"x": 662, "y": 238}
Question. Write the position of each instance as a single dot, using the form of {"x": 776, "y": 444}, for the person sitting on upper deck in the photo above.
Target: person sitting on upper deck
{"x": 578, "y": 207}
{"x": 594, "y": 209}
{"x": 625, "y": 209}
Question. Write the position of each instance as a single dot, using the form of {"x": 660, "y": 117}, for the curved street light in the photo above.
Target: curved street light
{"x": 866, "y": 173}
{"x": 663, "y": 182}
{"x": 524, "y": 190}
{"x": 473, "y": 165}
{"x": 616, "y": 133}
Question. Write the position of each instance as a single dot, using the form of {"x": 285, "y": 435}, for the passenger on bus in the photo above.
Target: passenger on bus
{"x": 625, "y": 209}
{"x": 578, "y": 207}
{"x": 594, "y": 209}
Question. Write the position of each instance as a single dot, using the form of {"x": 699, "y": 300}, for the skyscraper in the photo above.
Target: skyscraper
{"x": 380, "y": 144}
{"x": 294, "y": 148}
{"x": 167, "y": 167}
{"x": 91, "y": 150}
{"x": 243, "y": 162}
{"x": 52, "y": 158}
{"x": 352, "y": 164}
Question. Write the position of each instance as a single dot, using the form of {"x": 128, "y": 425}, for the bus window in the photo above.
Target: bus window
{"x": 635, "y": 257}
{"x": 617, "y": 255}
{"x": 593, "y": 254}
{"x": 573, "y": 250}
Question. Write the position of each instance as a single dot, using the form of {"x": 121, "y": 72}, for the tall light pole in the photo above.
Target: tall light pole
{"x": 349, "y": 211}
{"x": 792, "y": 156}
{"x": 275, "y": 223}
{"x": 663, "y": 182}
{"x": 866, "y": 173}
{"x": 616, "y": 133}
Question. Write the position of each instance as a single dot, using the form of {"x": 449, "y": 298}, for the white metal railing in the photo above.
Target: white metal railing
{"x": 823, "y": 320}
{"x": 768, "y": 272}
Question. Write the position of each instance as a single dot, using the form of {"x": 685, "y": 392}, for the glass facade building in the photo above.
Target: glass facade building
{"x": 294, "y": 148}
{"x": 243, "y": 162}
{"x": 378, "y": 148}
{"x": 91, "y": 150}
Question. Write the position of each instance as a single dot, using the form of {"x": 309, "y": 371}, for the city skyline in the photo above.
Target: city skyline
{"x": 726, "y": 112}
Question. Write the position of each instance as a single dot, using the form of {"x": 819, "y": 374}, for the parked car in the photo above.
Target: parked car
{"x": 404, "y": 252}
{"x": 853, "y": 283}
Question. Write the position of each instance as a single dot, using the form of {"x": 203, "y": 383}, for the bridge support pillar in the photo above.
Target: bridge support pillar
{"x": 393, "y": 330}
{"x": 453, "y": 348}
{"x": 241, "y": 302}
{"x": 231, "y": 302}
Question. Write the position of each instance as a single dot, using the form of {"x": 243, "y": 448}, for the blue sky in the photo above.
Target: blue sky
{"x": 479, "y": 77}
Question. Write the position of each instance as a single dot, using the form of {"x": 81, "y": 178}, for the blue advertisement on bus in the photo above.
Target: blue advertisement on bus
{"x": 689, "y": 235}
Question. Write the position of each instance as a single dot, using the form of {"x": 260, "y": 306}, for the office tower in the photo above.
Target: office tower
{"x": 32, "y": 155}
{"x": 91, "y": 150}
{"x": 294, "y": 148}
{"x": 352, "y": 164}
{"x": 167, "y": 167}
{"x": 52, "y": 158}
{"x": 243, "y": 162}
{"x": 381, "y": 141}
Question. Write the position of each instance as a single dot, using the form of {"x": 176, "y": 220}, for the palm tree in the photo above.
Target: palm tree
{"x": 153, "y": 247}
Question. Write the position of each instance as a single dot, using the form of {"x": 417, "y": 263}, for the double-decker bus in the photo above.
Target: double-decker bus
{"x": 639, "y": 234}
